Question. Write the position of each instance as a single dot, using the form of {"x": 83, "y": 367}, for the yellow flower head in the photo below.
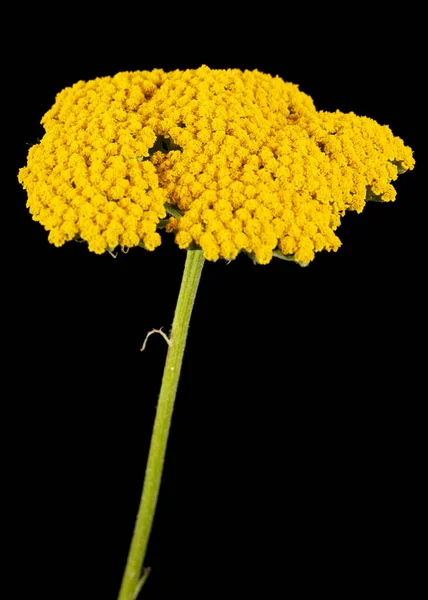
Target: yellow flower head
{"x": 240, "y": 160}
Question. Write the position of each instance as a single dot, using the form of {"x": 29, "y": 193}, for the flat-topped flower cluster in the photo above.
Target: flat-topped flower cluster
{"x": 242, "y": 159}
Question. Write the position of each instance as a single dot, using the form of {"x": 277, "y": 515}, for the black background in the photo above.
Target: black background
{"x": 293, "y": 461}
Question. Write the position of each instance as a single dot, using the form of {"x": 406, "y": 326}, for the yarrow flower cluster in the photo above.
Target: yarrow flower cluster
{"x": 227, "y": 160}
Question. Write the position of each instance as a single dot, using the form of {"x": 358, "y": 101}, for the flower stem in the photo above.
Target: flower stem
{"x": 133, "y": 578}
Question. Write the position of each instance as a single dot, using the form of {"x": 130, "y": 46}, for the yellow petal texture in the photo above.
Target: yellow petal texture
{"x": 245, "y": 158}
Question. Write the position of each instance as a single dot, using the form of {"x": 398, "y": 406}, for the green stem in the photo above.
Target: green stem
{"x": 133, "y": 578}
